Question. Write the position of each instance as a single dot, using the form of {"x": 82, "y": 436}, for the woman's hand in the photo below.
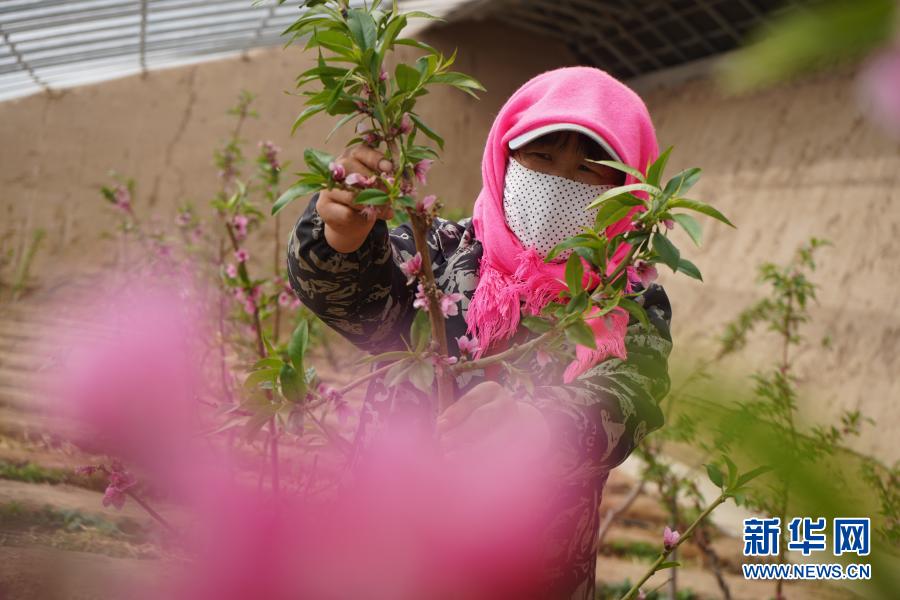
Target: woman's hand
{"x": 488, "y": 422}
{"x": 346, "y": 226}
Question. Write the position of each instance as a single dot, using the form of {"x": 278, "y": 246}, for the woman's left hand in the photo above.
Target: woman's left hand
{"x": 488, "y": 421}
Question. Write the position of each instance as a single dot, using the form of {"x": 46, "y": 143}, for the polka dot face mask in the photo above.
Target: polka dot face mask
{"x": 542, "y": 210}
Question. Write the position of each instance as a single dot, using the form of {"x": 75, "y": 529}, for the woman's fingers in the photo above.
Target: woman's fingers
{"x": 479, "y": 395}
{"x": 482, "y": 424}
{"x": 371, "y": 158}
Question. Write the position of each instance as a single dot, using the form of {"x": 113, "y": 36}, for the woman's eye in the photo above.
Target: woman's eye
{"x": 541, "y": 155}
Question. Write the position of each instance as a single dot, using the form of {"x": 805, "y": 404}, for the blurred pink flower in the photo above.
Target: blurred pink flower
{"x": 406, "y": 124}
{"x": 543, "y": 358}
{"x": 878, "y": 89}
{"x": 360, "y": 181}
{"x": 421, "y": 169}
{"x": 670, "y": 538}
{"x": 284, "y": 299}
{"x": 295, "y": 303}
{"x": 256, "y": 293}
{"x": 421, "y": 299}
{"x": 136, "y": 385}
{"x": 467, "y": 345}
{"x": 120, "y": 481}
{"x": 411, "y": 268}
{"x": 231, "y": 270}
{"x": 242, "y": 255}
{"x": 270, "y": 154}
{"x": 249, "y": 306}
{"x": 642, "y": 272}
{"x": 449, "y": 306}
{"x": 383, "y": 75}
{"x": 425, "y": 204}
{"x": 669, "y": 223}
{"x": 240, "y": 226}
{"x": 183, "y": 219}
{"x": 122, "y": 198}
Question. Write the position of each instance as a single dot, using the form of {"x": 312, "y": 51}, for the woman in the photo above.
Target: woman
{"x": 537, "y": 180}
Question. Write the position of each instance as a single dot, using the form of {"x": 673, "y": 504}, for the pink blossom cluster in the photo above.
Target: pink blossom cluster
{"x": 270, "y": 154}
{"x": 239, "y": 226}
{"x": 448, "y": 302}
{"x": 122, "y": 198}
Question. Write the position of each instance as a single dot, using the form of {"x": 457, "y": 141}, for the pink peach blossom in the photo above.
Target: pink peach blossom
{"x": 467, "y": 345}
{"x": 338, "y": 172}
{"x": 426, "y": 204}
{"x": 412, "y": 267}
{"x": 421, "y": 169}
{"x": 670, "y": 538}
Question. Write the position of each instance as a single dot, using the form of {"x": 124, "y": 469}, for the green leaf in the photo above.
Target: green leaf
{"x": 271, "y": 363}
{"x": 420, "y": 333}
{"x": 579, "y": 333}
{"x": 751, "y": 475}
{"x": 460, "y": 81}
{"x": 362, "y": 28}
{"x": 262, "y": 376}
{"x": 666, "y": 250}
{"x": 298, "y": 344}
{"x": 306, "y": 114}
{"x": 332, "y": 39}
{"x": 690, "y": 225}
{"x": 385, "y": 356}
{"x": 698, "y": 206}
{"x": 407, "y": 77}
{"x": 430, "y": 133}
{"x": 398, "y": 372}
{"x": 574, "y": 274}
{"x": 293, "y": 387}
{"x": 682, "y": 182}
{"x": 635, "y": 309}
{"x": 732, "y": 470}
{"x": 715, "y": 475}
{"x": 294, "y": 192}
{"x": 418, "y": 14}
{"x": 393, "y": 29}
{"x": 318, "y": 161}
{"x": 620, "y": 166}
{"x": 417, "y": 44}
{"x": 623, "y": 189}
{"x": 372, "y": 197}
{"x": 689, "y": 269}
{"x": 655, "y": 171}
{"x": 422, "y": 375}
{"x": 611, "y": 211}
{"x": 536, "y": 324}
{"x": 578, "y": 304}
{"x": 582, "y": 239}
{"x": 669, "y": 564}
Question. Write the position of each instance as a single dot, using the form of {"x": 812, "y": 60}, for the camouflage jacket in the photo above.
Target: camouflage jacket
{"x": 605, "y": 413}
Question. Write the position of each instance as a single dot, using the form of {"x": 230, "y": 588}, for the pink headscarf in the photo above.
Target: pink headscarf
{"x": 510, "y": 274}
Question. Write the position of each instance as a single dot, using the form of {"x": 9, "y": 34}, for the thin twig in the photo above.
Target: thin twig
{"x": 613, "y": 513}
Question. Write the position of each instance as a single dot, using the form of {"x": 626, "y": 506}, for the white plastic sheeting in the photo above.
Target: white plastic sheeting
{"x": 54, "y": 44}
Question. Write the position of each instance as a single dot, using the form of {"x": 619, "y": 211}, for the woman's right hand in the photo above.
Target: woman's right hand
{"x": 346, "y": 226}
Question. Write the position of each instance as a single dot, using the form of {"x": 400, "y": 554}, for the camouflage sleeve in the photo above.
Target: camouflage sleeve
{"x": 604, "y": 414}
{"x": 361, "y": 294}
